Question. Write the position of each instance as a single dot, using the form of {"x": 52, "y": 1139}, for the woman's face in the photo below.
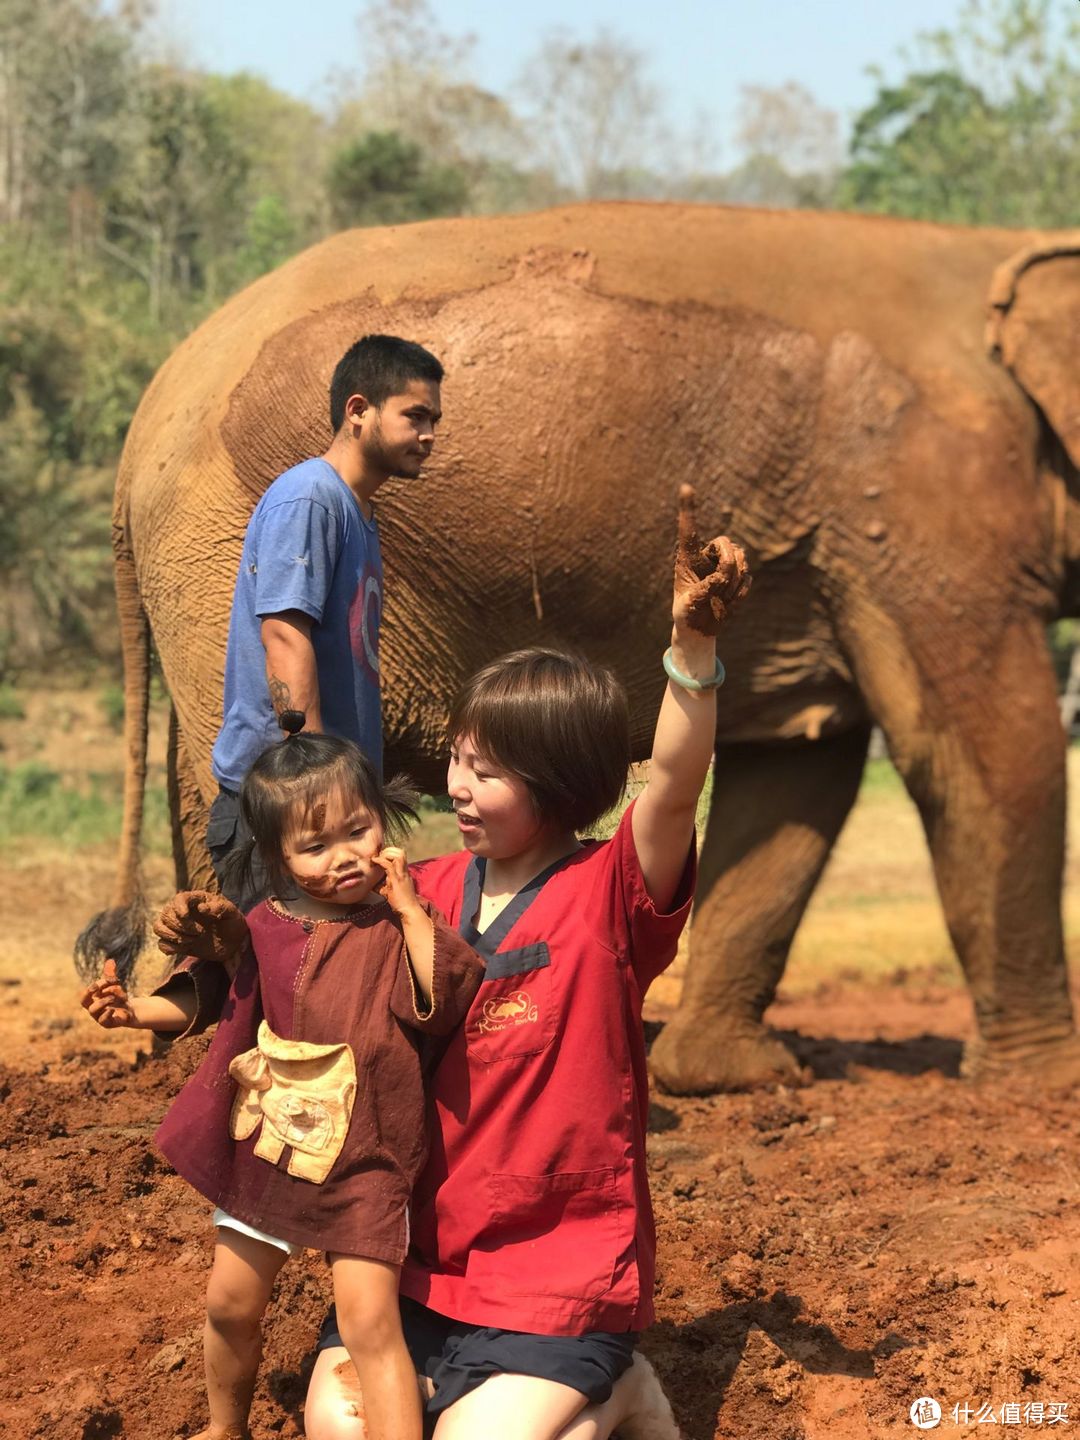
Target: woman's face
{"x": 328, "y": 852}
{"x": 495, "y": 812}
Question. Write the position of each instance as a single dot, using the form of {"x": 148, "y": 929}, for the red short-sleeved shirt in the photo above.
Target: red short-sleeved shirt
{"x": 533, "y": 1212}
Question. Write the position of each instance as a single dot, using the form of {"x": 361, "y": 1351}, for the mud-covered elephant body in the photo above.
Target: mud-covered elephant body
{"x": 825, "y": 383}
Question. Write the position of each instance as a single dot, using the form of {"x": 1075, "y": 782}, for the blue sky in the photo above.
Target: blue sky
{"x": 700, "y": 51}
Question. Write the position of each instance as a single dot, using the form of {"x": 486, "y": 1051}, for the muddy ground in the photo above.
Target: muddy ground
{"x": 828, "y": 1253}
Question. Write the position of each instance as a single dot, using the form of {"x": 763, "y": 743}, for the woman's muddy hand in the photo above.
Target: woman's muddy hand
{"x": 711, "y": 580}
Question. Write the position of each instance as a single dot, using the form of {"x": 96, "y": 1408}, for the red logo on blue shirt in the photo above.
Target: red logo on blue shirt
{"x": 365, "y": 612}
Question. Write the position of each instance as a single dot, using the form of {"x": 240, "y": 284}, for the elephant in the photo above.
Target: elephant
{"x": 907, "y": 495}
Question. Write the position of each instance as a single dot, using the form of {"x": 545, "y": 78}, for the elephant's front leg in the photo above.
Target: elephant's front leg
{"x": 983, "y": 756}
{"x": 776, "y": 812}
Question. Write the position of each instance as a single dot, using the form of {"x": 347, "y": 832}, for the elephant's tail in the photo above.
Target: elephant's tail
{"x": 119, "y": 932}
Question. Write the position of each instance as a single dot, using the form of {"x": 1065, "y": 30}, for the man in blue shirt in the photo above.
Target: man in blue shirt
{"x": 304, "y": 632}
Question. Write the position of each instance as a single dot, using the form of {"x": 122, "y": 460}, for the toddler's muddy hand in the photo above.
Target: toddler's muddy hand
{"x": 106, "y": 1000}
{"x": 397, "y": 883}
{"x": 711, "y": 580}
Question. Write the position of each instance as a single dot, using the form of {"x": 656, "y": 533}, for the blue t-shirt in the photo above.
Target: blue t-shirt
{"x": 309, "y": 548}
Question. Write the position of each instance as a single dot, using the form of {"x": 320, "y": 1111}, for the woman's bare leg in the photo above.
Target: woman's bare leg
{"x": 334, "y": 1408}
{"x": 237, "y": 1294}
{"x": 521, "y": 1406}
{"x": 366, "y": 1296}
{"x": 637, "y": 1404}
{"x": 637, "y": 1408}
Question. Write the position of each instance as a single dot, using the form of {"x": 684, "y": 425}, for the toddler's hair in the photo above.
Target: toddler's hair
{"x": 290, "y": 780}
{"x": 556, "y": 721}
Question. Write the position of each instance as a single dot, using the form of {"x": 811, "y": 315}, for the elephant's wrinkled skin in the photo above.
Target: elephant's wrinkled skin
{"x": 825, "y": 382}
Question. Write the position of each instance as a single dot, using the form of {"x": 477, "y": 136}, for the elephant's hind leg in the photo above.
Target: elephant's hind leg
{"x": 776, "y": 812}
{"x": 983, "y": 756}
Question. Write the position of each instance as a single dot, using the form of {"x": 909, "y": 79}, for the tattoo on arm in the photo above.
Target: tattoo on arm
{"x": 280, "y": 695}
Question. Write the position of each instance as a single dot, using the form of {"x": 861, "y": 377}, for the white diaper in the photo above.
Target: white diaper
{"x": 226, "y": 1222}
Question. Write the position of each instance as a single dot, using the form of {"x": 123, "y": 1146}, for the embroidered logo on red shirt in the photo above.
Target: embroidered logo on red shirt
{"x": 514, "y": 1009}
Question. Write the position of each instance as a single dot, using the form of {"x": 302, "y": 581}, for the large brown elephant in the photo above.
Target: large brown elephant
{"x": 910, "y": 508}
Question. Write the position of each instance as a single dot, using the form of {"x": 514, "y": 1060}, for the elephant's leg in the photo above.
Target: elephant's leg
{"x": 188, "y": 813}
{"x": 983, "y": 755}
{"x": 776, "y": 812}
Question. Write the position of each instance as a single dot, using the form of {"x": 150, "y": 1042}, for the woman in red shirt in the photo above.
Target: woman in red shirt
{"x": 532, "y": 1261}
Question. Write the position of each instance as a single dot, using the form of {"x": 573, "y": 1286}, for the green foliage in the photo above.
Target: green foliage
{"x": 982, "y": 129}
{"x": 1063, "y": 637}
{"x": 383, "y": 179}
{"x": 54, "y": 542}
{"x": 11, "y": 706}
{"x": 881, "y": 777}
{"x": 37, "y": 802}
{"x": 111, "y": 700}
{"x": 270, "y": 237}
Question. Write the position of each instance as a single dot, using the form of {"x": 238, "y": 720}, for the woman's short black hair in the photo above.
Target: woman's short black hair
{"x": 559, "y": 723}
{"x": 290, "y": 781}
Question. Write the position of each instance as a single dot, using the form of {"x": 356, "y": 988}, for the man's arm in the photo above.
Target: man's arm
{"x": 291, "y": 676}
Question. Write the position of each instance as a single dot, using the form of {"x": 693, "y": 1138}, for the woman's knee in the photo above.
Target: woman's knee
{"x": 334, "y": 1407}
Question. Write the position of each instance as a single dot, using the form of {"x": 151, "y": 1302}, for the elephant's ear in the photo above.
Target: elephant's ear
{"x": 1034, "y": 329}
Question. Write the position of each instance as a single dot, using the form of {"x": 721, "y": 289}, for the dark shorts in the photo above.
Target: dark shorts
{"x": 223, "y": 838}
{"x": 457, "y": 1357}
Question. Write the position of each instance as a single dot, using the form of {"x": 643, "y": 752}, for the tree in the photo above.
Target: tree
{"x": 791, "y": 146}
{"x": 285, "y": 144}
{"x": 593, "y": 112}
{"x": 383, "y": 179}
{"x": 416, "y": 84}
{"x": 982, "y": 129}
{"x": 177, "y": 208}
{"x": 65, "y": 72}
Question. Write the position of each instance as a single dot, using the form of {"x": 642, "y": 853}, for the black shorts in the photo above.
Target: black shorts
{"x": 224, "y": 836}
{"x": 457, "y": 1357}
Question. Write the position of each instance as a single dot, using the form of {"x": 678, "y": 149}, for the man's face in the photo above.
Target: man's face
{"x": 398, "y": 436}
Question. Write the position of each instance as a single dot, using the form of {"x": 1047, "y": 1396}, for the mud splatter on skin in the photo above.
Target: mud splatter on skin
{"x": 317, "y": 886}
{"x": 352, "y": 1396}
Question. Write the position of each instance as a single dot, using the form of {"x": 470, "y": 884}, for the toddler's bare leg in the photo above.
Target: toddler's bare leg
{"x": 366, "y": 1296}
{"x": 237, "y": 1294}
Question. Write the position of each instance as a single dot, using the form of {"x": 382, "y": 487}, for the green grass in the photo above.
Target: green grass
{"x": 11, "y": 707}
{"x": 881, "y": 778}
{"x": 111, "y": 701}
{"x": 37, "y": 802}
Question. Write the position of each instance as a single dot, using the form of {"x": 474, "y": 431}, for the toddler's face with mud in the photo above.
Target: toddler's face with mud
{"x": 328, "y": 849}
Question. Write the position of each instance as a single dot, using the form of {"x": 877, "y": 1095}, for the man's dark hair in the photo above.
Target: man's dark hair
{"x": 377, "y": 367}
{"x": 288, "y": 785}
{"x": 559, "y": 723}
